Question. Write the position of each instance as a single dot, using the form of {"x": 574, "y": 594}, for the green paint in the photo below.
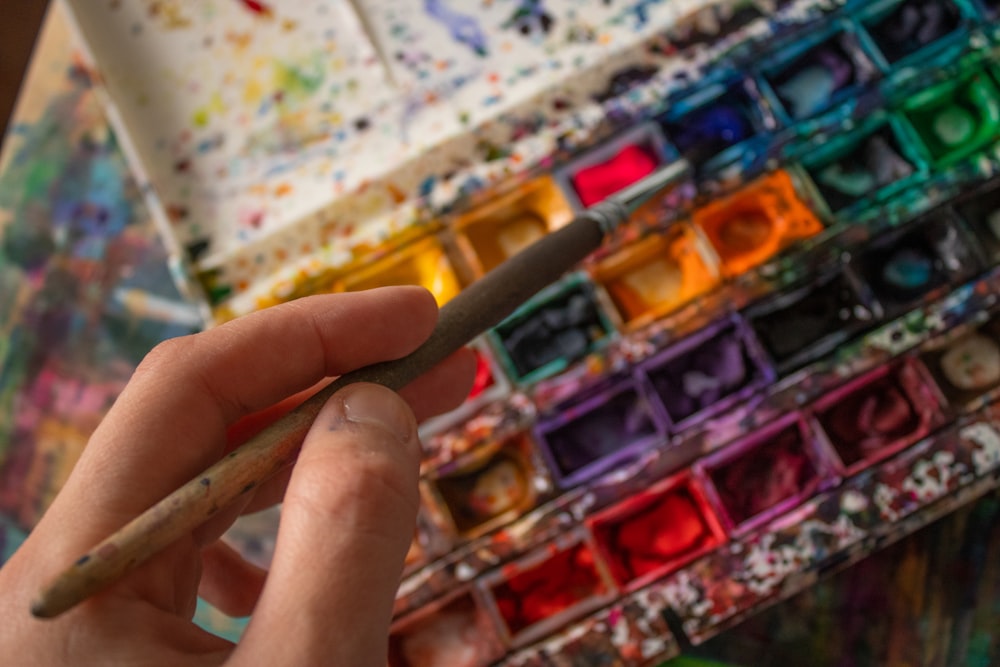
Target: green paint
{"x": 297, "y": 82}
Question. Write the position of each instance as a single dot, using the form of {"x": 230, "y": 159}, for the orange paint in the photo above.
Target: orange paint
{"x": 656, "y": 275}
{"x": 491, "y": 233}
{"x": 421, "y": 263}
{"x": 282, "y": 189}
{"x": 755, "y": 223}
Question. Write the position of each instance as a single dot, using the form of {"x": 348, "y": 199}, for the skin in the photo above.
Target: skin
{"x": 349, "y": 508}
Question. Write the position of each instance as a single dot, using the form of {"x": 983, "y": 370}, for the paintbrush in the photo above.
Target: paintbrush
{"x": 482, "y": 305}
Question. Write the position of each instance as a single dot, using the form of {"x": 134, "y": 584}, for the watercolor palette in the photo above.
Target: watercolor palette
{"x": 752, "y": 382}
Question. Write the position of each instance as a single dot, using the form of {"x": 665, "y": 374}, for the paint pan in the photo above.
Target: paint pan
{"x": 717, "y": 124}
{"x": 540, "y": 593}
{"x": 707, "y": 372}
{"x": 920, "y": 261}
{"x": 766, "y": 474}
{"x": 753, "y": 224}
{"x": 813, "y": 75}
{"x": 457, "y": 631}
{"x": 556, "y": 328}
{"x": 600, "y": 429}
{"x": 656, "y": 275}
{"x": 613, "y": 165}
{"x": 800, "y": 326}
{"x": 488, "y": 488}
{"x": 423, "y": 262}
{"x": 967, "y": 368}
{"x": 502, "y": 227}
{"x": 877, "y": 415}
{"x": 906, "y": 30}
{"x": 856, "y": 169}
{"x": 981, "y": 211}
{"x": 955, "y": 119}
{"x": 656, "y": 531}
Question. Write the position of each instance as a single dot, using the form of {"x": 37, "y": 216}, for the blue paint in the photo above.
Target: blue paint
{"x": 464, "y": 29}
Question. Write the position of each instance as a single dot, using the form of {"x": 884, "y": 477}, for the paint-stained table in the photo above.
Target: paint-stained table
{"x": 85, "y": 292}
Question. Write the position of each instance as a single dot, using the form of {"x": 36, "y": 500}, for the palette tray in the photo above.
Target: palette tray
{"x": 783, "y": 364}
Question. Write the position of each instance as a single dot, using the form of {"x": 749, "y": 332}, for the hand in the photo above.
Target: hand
{"x": 349, "y": 507}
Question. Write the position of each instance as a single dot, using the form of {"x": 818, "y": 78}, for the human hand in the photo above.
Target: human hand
{"x": 349, "y": 503}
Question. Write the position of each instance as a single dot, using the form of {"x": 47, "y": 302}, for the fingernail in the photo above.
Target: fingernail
{"x": 375, "y": 405}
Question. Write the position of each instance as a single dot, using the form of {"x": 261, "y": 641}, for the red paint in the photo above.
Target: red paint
{"x": 258, "y": 8}
{"x": 598, "y": 182}
{"x": 483, "y": 379}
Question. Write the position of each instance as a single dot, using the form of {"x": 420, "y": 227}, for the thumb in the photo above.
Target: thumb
{"x": 346, "y": 524}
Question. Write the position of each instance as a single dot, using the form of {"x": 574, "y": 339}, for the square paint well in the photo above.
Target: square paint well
{"x": 656, "y": 531}
{"x": 497, "y": 230}
{"x": 707, "y": 372}
{"x": 981, "y": 211}
{"x": 968, "y": 367}
{"x": 492, "y": 486}
{"x": 903, "y": 29}
{"x": 766, "y": 474}
{"x": 612, "y": 166}
{"x": 599, "y": 430}
{"x": 909, "y": 265}
{"x": 802, "y": 325}
{"x": 458, "y": 632}
{"x": 558, "y": 327}
{"x": 656, "y": 275}
{"x": 422, "y": 263}
{"x": 756, "y": 222}
{"x": 877, "y": 415}
{"x": 810, "y": 77}
{"x": 954, "y": 120}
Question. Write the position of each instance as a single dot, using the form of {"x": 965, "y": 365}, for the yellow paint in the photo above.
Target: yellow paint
{"x": 423, "y": 263}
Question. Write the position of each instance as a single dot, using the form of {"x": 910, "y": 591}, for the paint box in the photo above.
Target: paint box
{"x": 751, "y": 225}
{"x": 876, "y": 415}
{"x": 613, "y": 165}
{"x": 457, "y": 630}
{"x": 489, "y": 384}
{"x": 815, "y": 74}
{"x": 423, "y": 262}
{"x": 905, "y": 30}
{"x": 766, "y": 474}
{"x": 556, "y": 328}
{"x": 707, "y": 372}
{"x": 656, "y": 275}
{"x": 489, "y": 487}
{"x": 716, "y": 124}
{"x": 967, "y": 367}
{"x": 799, "y": 326}
{"x": 906, "y": 266}
{"x": 955, "y": 119}
{"x": 600, "y": 429}
{"x": 656, "y": 531}
{"x": 981, "y": 211}
{"x": 540, "y": 593}
{"x": 870, "y": 164}
{"x": 502, "y": 227}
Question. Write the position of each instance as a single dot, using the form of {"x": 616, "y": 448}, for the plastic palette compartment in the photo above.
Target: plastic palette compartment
{"x": 487, "y": 488}
{"x": 967, "y": 367}
{"x": 766, "y": 474}
{"x": 613, "y": 165}
{"x": 903, "y": 31}
{"x": 657, "y": 275}
{"x": 556, "y": 328}
{"x": 877, "y": 415}
{"x": 541, "y": 592}
{"x": 813, "y": 75}
{"x": 751, "y": 225}
{"x": 503, "y": 226}
{"x": 600, "y": 429}
{"x": 719, "y": 123}
{"x": 981, "y": 211}
{"x": 799, "y": 326}
{"x": 656, "y": 531}
{"x": 955, "y": 119}
{"x": 919, "y": 261}
{"x": 708, "y": 372}
{"x": 854, "y": 171}
{"x": 457, "y": 630}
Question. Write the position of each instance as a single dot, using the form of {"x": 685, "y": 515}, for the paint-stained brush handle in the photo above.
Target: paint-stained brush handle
{"x": 480, "y": 306}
